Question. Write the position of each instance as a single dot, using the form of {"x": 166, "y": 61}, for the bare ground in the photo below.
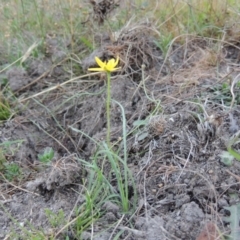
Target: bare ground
{"x": 174, "y": 155}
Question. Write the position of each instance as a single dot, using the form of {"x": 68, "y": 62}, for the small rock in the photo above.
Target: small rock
{"x": 222, "y": 203}
{"x": 182, "y": 200}
{"x": 192, "y": 212}
{"x": 111, "y": 207}
{"x": 110, "y": 217}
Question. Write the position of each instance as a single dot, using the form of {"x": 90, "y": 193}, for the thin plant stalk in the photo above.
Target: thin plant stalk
{"x": 107, "y": 67}
{"x": 108, "y": 102}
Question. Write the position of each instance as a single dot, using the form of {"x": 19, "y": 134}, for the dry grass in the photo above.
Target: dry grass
{"x": 22, "y": 22}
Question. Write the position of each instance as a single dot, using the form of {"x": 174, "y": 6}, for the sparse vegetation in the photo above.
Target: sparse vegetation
{"x": 161, "y": 141}
{"x": 5, "y": 109}
{"x": 55, "y": 220}
{"x": 9, "y": 170}
{"x": 234, "y": 215}
{"x": 47, "y": 155}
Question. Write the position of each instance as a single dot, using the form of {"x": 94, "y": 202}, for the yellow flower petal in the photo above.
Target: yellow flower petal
{"x": 109, "y": 66}
{"x": 117, "y": 60}
{"x": 111, "y": 62}
{"x": 100, "y": 63}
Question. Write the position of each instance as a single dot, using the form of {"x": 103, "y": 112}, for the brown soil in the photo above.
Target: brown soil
{"x": 174, "y": 155}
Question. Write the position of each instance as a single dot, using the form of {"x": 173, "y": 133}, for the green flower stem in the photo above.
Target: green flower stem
{"x": 108, "y": 106}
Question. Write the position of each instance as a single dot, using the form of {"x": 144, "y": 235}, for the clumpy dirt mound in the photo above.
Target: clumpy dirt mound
{"x": 134, "y": 45}
{"x": 183, "y": 174}
{"x": 180, "y": 115}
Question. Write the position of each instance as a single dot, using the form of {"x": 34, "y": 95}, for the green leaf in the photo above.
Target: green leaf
{"x": 226, "y": 158}
{"x": 234, "y": 221}
{"x": 234, "y": 153}
{"x": 47, "y": 156}
{"x": 234, "y": 140}
{"x": 139, "y": 123}
{"x": 142, "y": 136}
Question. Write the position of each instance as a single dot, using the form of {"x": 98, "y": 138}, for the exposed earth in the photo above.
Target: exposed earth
{"x": 181, "y": 108}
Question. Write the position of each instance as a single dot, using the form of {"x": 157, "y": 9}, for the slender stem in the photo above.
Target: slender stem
{"x": 108, "y": 106}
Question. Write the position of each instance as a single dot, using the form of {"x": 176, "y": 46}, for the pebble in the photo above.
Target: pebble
{"x": 222, "y": 203}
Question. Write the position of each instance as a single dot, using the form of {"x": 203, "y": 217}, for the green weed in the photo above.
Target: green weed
{"x": 96, "y": 192}
{"x": 87, "y": 43}
{"x": 10, "y": 147}
{"x": 9, "y": 170}
{"x": 119, "y": 167}
{"x": 164, "y": 43}
{"x": 2, "y": 160}
{"x": 30, "y": 235}
{"x": 87, "y": 214}
{"x": 228, "y": 156}
{"x": 122, "y": 175}
{"x": 47, "y": 155}
{"x": 233, "y": 219}
{"x": 221, "y": 93}
{"x": 5, "y": 109}
{"x": 205, "y": 19}
{"x": 55, "y": 219}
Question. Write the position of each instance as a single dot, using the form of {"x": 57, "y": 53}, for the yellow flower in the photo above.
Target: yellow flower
{"x": 108, "y": 66}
